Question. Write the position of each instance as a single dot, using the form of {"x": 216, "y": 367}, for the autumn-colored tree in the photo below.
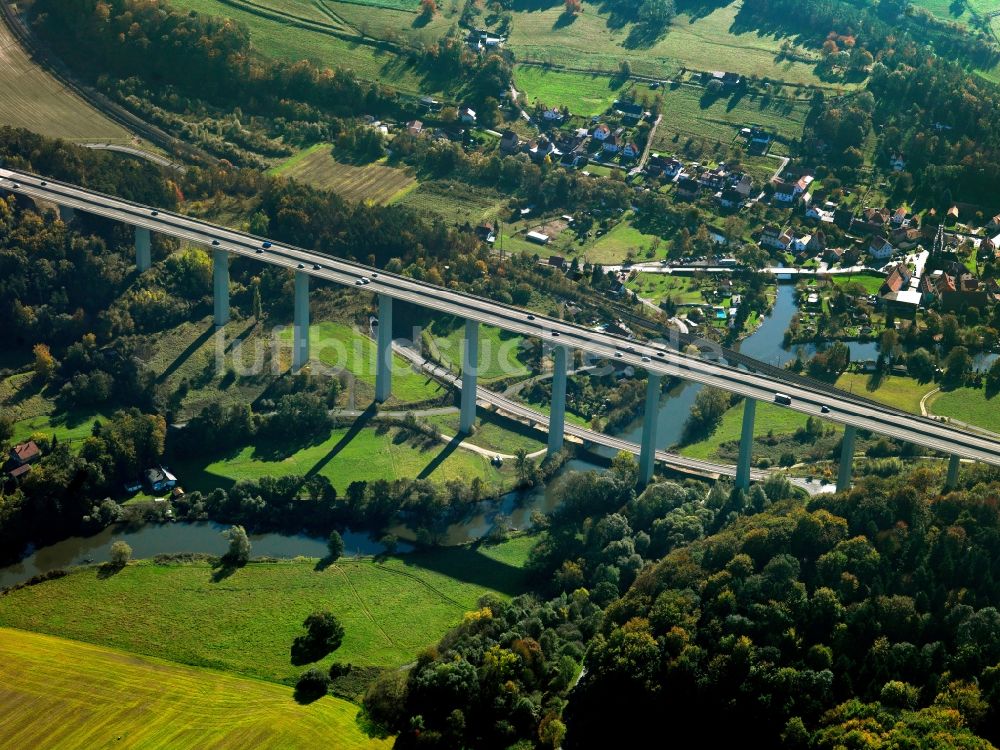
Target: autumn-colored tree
{"x": 428, "y": 8}
{"x": 45, "y": 363}
{"x": 573, "y": 7}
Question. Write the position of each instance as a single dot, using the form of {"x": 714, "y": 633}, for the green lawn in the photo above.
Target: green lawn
{"x": 584, "y": 94}
{"x": 714, "y": 41}
{"x": 64, "y": 695}
{"x": 767, "y": 417}
{"x": 341, "y": 347}
{"x": 246, "y": 622}
{"x": 614, "y": 246}
{"x": 372, "y": 453}
{"x": 657, "y": 287}
{"x": 902, "y": 392}
{"x": 872, "y": 282}
{"x": 498, "y": 350}
{"x": 67, "y": 427}
{"x": 967, "y": 405}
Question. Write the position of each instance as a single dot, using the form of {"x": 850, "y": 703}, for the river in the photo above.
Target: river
{"x": 765, "y": 344}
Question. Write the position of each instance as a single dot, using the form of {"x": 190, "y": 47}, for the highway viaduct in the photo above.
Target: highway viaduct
{"x": 657, "y": 361}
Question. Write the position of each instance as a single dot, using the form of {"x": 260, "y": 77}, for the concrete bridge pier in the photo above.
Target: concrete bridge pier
{"x": 143, "y": 243}
{"x": 953, "y": 464}
{"x": 746, "y": 444}
{"x": 470, "y": 372}
{"x": 300, "y": 345}
{"x": 220, "y": 266}
{"x": 67, "y": 214}
{"x": 557, "y": 416}
{"x": 845, "y": 472}
{"x": 383, "y": 365}
{"x": 647, "y": 449}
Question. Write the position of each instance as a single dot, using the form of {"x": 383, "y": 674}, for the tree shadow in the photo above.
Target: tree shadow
{"x": 468, "y": 564}
{"x": 356, "y": 426}
{"x": 222, "y": 569}
{"x": 439, "y": 459}
{"x": 108, "y": 570}
{"x": 323, "y": 563}
{"x": 564, "y": 20}
{"x": 644, "y": 36}
{"x": 305, "y": 697}
{"x": 304, "y": 651}
{"x": 698, "y": 9}
{"x": 421, "y": 21}
{"x": 185, "y": 355}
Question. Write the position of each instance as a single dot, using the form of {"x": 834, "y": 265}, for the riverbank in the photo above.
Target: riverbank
{"x": 244, "y": 621}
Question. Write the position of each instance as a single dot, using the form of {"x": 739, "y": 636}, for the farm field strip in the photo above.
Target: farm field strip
{"x": 56, "y": 693}
{"x": 30, "y": 98}
{"x": 375, "y": 182}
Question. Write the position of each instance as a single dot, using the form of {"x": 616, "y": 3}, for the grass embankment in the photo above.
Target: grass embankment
{"x": 717, "y": 40}
{"x": 341, "y": 347}
{"x": 898, "y": 391}
{"x": 246, "y": 622}
{"x": 56, "y": 694}
{"x": 30, "y": 98}
{"x": 967, "y": 405}
{"x": 325, "y": 40}
{"x": 502, "y": 436}
{"x": 347, "y": 455}
{"x": 374, "y": 183}
{"x": 498, "y": 349}
{"x": 767, "y": 418}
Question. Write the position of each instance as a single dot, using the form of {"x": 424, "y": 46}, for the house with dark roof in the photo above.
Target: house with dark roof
{"x": 509, "y": 142}
{"x": 158, "y": 479}
{"x": 688, "y": 188}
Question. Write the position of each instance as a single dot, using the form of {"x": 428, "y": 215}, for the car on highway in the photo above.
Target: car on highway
{"x": 782, "y": 398}
{"x": 824, "y": 409}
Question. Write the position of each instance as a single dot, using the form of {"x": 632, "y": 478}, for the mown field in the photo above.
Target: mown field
{"x": 62, "y": 695}
{"x": 246, "y": 622}
{"x": 967, "y": 405}
{"x": 872, "y": 282}
{"x": 30, "y": 98}
{"x": 659, "y": 286}
{"x": 346, "y": 455}
{"x": 320, "y": 42}
{"x": 715, "y": 41}
{"x": 374, "y": 183}
{"x": 689, "y": 113}
{"x": 585, "y": 94}
{"x": 902, "y": 392}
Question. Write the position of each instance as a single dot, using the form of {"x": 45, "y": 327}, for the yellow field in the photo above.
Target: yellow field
{"x": 30, "y": 98}
{"x": 375, "y": 183}
{"x": 56, "y": 693}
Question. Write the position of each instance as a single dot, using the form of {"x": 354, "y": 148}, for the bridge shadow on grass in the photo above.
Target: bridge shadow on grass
{"x": 185, "y": 355}
{"x": 439, "y": 459}
{"x": 469, "y": 565}
{"x": 356, "y": 427}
